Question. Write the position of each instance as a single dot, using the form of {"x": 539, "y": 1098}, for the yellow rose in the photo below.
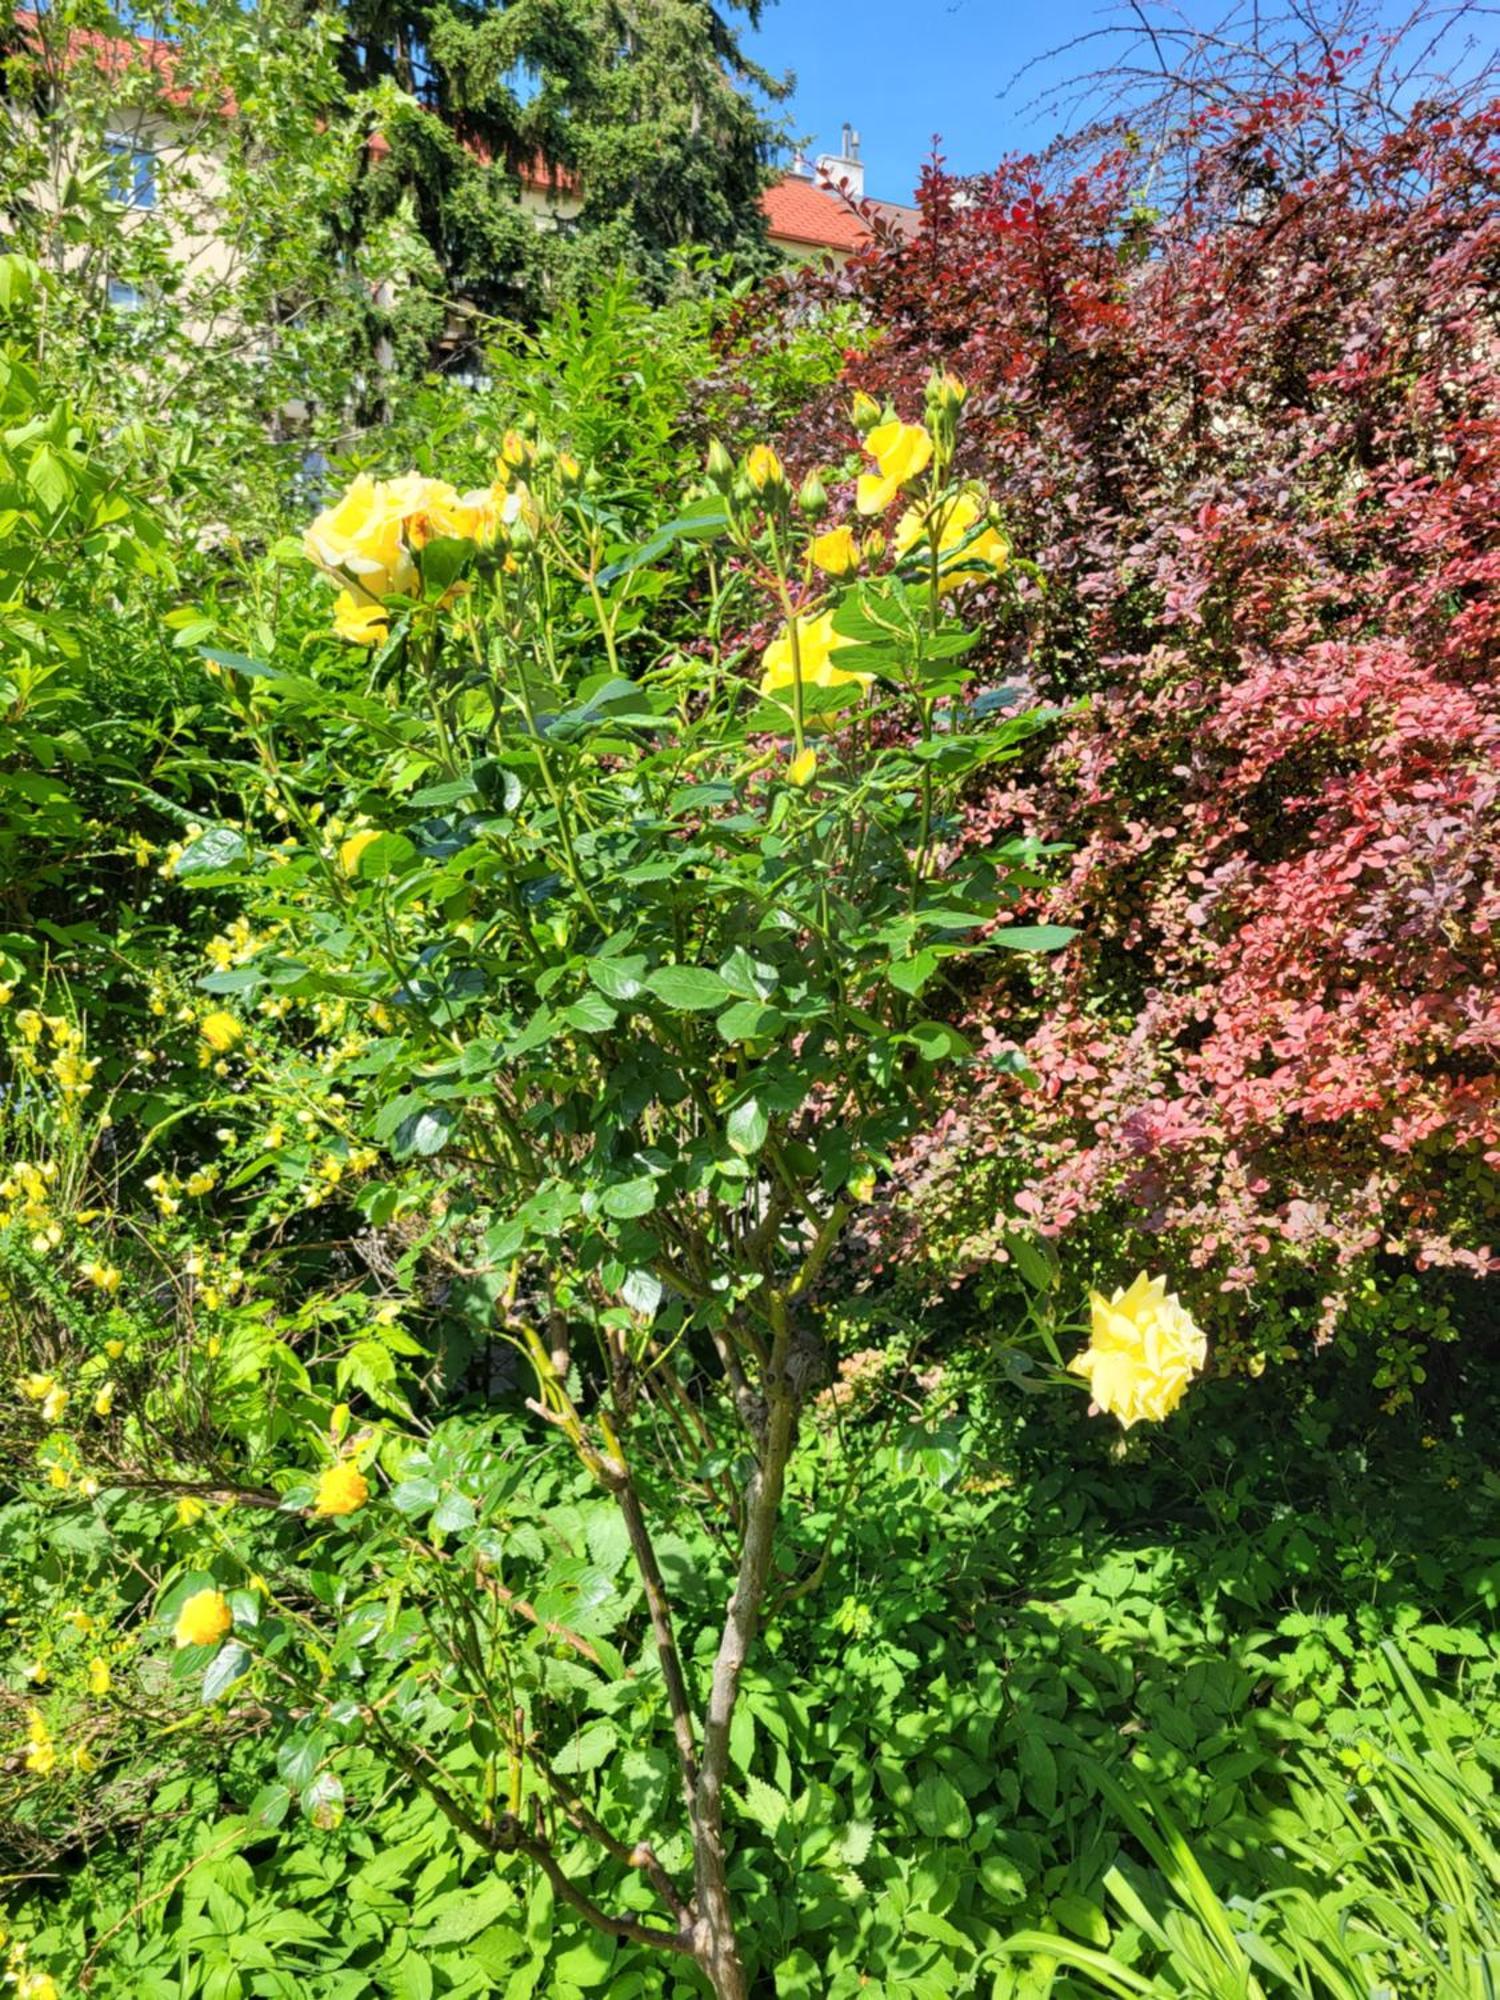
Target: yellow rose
{"x": 1143, "y": 1352}
{"x": 361, "y": 536}
{"x": 864, "y": 412}
{"x": 351, "y": 849}
{"x": 363, "y": 621}
{"x": 204, "y": 1620}
{"x": 902, "y": 451}
{"x": 763, "y": 468}
{"x": 817, "y": 642}
{"x": 342, "y": 1489}
{"x": 221, "y": 1031}
{"x": 968, "y": 548}
{"x": 836, "y": 553}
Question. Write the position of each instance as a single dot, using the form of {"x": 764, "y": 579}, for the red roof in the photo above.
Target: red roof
{"x": 120, "y": 56}
{"x": 797, "y": 211}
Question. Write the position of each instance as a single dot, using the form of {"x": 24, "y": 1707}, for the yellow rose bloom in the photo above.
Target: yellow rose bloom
{"x": 361, "y": 535}
{"x": 817, "y": 642}
{"x": 351, "y": 849}
{"x": 836, "y": 553}
{"x": 902, "y": 451}
{"x": 204, "y": 1620}
{"x": 342, "y": 1489}
{"x": 221, "y": 1031}
{"x": 363, "y": 621}
{"x": 1143, "y": 1352}
{"x": 962, "y": 521}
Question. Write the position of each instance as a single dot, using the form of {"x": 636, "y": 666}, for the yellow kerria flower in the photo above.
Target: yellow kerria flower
{"x": 961, "y": 521}
{"x": 363, "y": 621}
{"x": 342, "y": 1489}
{"x": 836, "y": 553}
{"x": 1143, "y": 1352}
{"x": 351, "y": 849}
{"x": 817, "y": 642}
{"x": 221, "y": 1031}
{"x": 204, "y": 1620}
{"x": 902, "y": 451}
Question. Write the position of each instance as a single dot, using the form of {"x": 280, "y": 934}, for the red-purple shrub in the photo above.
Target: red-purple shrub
{"x": 1255, "y": 448}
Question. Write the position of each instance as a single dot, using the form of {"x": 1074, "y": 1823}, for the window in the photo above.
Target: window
{"x": 132, "y": 171}
{"x": 123, "y": 296}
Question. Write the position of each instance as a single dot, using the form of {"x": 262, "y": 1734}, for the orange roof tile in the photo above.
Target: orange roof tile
{"x": 799, "y": 212}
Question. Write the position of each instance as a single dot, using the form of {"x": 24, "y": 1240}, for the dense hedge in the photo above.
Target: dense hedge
{"x": 1253, "y": 445}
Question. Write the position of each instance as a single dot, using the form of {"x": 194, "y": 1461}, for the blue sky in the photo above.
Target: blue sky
{"x": 900, "y": 70}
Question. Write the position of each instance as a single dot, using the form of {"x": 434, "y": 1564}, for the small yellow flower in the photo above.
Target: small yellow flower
{"x": 342, "y": 1489}
{"x": 802, "y": 767}
{"x": 54, "y": 1403}
{"x": 37, "y": 1388}
{"x": 221, "y": 1031}
{"x": 7, "y": 993}
{"x": 354, "y": 847}
{"x": 764, "y": 469}
{"x": 103, "y": 1277}
{"x": 100, "y": 1678}
{"x": 80, "y": 1621}
{"x": 41, "y": 1755}
{"x": 104, "y": 1402}
{"x": 189, "y": 1511}
{"x": 203, "y": 1181}
{"x": 82, "y": 1758}
{"x": 836, "y": 553}
{"x": 1143, "y": 1352}
{"x": 203, "y": 1620}
{"x": 57, "y": 1475}
{"x": 901, "y": 451}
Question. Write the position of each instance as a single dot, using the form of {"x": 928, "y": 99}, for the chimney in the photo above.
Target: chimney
{"x": 844, "y": 169}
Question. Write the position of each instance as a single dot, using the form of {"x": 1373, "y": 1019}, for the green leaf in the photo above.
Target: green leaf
{"x": 216, "y": 849}
{"x": 691, "y": 988}
{"x": 747, "y": 1127}
{"x": 1084, "y": 1919}
{"x": 1033, "y": 937}
{"x": 749, "y": 1021}
{"x": 414, "y": 1496}
{"x": 627, "y": 1199}
{"x": 454, "y": 1514}
{"x": 590, "y": 1014}
{"x": 586, "y": 1751}
{"x": 229, "y": 1664}
{"x": 618, "y": 978}
{"x": 701, "y": 522}
{"x": 939, "y": 1810}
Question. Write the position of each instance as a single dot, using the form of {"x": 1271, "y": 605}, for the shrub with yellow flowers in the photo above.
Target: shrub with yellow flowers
{"x": 621, "y": 965}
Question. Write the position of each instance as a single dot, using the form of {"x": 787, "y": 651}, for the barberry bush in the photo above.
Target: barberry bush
{"x": 1253, "y": 444}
